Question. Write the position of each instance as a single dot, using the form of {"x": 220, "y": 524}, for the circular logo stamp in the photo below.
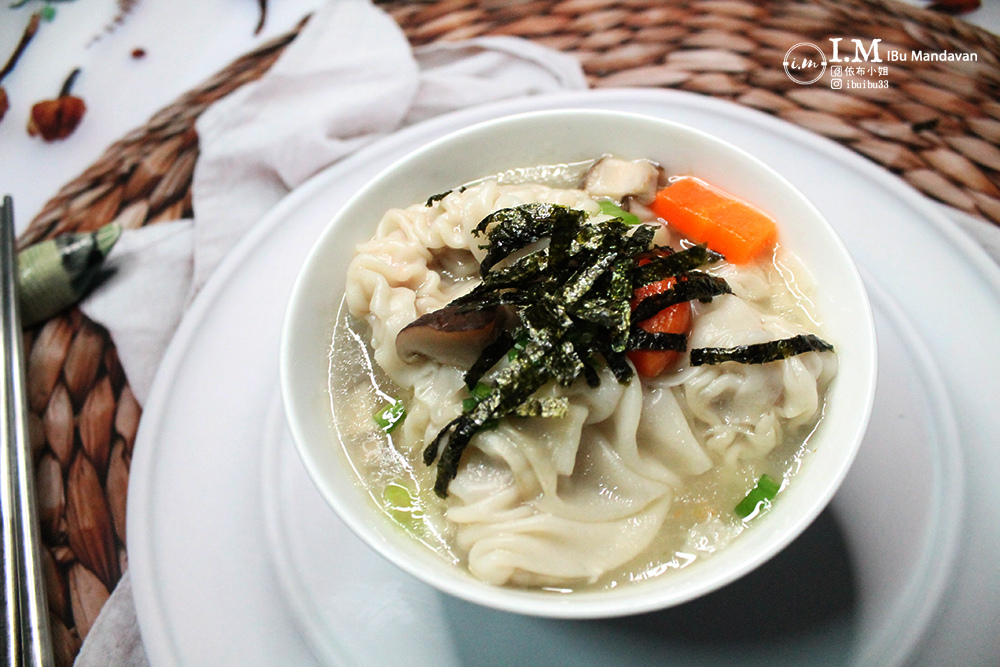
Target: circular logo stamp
{"x": 805, "y": 63}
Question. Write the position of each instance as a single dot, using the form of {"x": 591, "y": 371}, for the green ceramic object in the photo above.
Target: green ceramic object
{"x": 55, "y": 274}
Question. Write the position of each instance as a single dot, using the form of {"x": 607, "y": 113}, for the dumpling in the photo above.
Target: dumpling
{"x": 556, "y": 503}
{"x": 744, "y": 408}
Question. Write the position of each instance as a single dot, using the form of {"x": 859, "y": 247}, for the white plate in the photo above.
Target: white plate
{"x": 235, "y": 560}
{"x": 854, "y": 587}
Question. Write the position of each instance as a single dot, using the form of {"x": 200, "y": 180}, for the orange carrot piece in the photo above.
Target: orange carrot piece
{"x": 705, "y": 214}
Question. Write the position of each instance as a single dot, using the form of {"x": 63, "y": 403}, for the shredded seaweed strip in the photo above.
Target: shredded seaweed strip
{"x": 517, "y": 381}
{"x": 433, "y": 199}
{"x": 760, "y": 353}
{"x": 543, "y": 407}
{"x": 512, "y": 229}
{"x": 493, "y": 353}
{"x": 689, "y": 286}
{"x": 667, "y": 264}
{"x": 640, "y": 339}
{"x": 571, "y": 297}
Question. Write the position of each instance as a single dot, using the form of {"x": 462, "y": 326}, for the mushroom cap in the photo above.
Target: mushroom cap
{"x": 449, "y": 335}
{"x": 617, "y": 179}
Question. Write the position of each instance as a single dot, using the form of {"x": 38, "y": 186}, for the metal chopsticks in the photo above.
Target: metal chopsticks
{"x": 26, "y": 617}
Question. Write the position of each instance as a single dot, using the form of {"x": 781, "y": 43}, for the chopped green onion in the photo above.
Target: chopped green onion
{"x": 397, "y": 496}
{"x": 608, "y": 207}
{"x": 390, "y": 416}
{"x": 518, "y": 347}
{"x": 402, "y": 505}
{"x": 481, "y": 390}
{"x": 763, "y": 492}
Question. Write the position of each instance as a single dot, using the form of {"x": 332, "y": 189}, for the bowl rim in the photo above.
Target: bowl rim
{"x": 647, "y": 596}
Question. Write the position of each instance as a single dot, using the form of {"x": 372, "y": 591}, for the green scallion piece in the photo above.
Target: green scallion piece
{"x": 608, "y": 207}
{"x": 397, "y": 496}
{"x": 401, "y": 504}
{"x": 481, "y": 390}
{"x": 390, "y": 416}
{"x": 763, "y": 492}
{"x": 517, "y": 348}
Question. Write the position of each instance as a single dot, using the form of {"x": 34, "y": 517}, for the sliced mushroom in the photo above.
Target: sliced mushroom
{"x": 450, "y": 336}
{"x": 617, "y": 179}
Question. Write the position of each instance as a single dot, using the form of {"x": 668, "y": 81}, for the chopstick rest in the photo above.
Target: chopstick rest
{"x": 55, "y": 274}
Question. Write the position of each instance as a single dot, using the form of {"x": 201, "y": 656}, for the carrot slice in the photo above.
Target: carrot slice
{"x": 673, "y": 319}
{"x": 706, "y": 214}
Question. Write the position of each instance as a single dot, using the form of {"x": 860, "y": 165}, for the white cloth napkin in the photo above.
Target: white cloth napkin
{"x": 349, "y": 78}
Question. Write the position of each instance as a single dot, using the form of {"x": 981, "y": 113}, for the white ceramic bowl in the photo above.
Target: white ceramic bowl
{"x": 548, "y": 137}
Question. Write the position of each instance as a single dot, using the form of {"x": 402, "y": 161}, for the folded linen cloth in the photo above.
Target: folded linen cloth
{"x": 349, "y": 78}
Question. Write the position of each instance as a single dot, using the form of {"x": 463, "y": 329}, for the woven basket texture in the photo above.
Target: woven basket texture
{"x": 937, "y": 125}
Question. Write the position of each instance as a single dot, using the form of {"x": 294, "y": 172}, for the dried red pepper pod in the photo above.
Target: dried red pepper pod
{"x": 58, "y": 118}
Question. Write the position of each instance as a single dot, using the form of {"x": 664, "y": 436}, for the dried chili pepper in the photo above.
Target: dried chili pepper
{"x": 58, "y": 118}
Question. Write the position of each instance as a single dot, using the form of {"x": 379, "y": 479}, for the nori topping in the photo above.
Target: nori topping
{"x": 639, "y": 240}
{"x": 523, "y": 376}
{"x": 488, "y": 358}
{"x": 760, "y": 353}
{"x": 670, "y": 264}
{"x": 590, "y": 375}
{"x": 640, "y": 339}
{"x": 436, "y": 198}
{"x": 689, "y": 286}
{"x": 511, "y": 229}
{"x": 618, "y": 363}
{"x": 543, "y": 407}
{"x": 433, "y": 199}
{"x": 564, "y": 364}
{"x": 619, "y": 293}
{"x": 572, "y": 299}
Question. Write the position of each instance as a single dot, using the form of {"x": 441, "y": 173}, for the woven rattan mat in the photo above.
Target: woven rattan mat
{"x": 937, "y": 125}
